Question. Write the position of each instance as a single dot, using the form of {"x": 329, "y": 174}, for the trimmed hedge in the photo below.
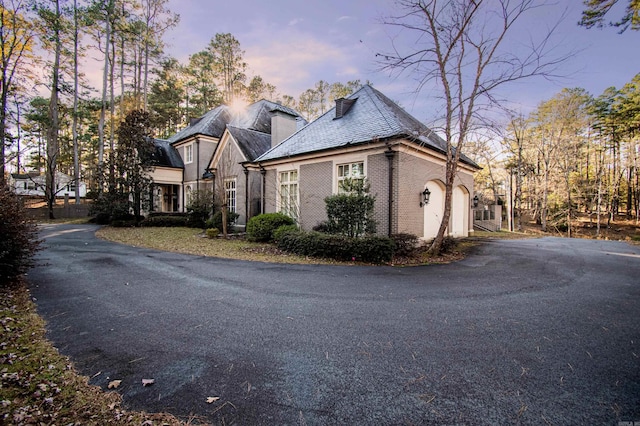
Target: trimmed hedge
{"x": 165, "y": 221}
{"x": 282, "y": 230}
{"x": 260, "y": 228}
{"x": 316, "y": 244}
{"x": 405, "y": 243}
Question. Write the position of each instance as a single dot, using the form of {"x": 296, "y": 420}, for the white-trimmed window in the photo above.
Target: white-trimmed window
{"x": 352, "y": 171}
{"x": 289, "y": 193}
{"x": 188, "y": 153}
{"x": 230, "y": 194}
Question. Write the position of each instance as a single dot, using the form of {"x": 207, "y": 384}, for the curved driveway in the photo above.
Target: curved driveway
{"x": 538, "y": 331}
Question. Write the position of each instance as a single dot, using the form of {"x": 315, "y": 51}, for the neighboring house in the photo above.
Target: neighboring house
{"x": 367, "y": 136}
{"x": 34, "y": 184}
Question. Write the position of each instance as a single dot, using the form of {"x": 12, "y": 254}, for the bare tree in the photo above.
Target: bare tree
{"x": 458, "y": 52}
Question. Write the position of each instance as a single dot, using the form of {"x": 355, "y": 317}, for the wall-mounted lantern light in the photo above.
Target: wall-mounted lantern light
{"x": 426, "y": 194}
{"x": 475, "y": 201}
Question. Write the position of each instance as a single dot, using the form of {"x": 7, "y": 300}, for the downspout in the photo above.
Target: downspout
{"x": 263, "y": 172}
{"x": 390, "y": 154}
{"x": 246, "y": 195}
{"x": 182, "y": 190}
{"x": 197, "y": 164}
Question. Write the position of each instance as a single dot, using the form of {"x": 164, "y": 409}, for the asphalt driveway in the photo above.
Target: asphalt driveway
{"x": 539, "y": 331}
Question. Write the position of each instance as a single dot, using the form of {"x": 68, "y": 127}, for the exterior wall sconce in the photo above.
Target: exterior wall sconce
{"x": 426, "y": 194}
{"x": 475, "y": 201}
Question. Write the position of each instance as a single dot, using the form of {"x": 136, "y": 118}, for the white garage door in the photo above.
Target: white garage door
{"x": 433, "y": 211}
{"x": 459, "y": 224}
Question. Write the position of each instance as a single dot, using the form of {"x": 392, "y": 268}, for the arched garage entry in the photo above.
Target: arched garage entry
{"x": 459, "y": 225}
{"x": 433, "y": 211}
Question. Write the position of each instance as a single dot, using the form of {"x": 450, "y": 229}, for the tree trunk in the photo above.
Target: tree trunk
{"x": 74, "y": 130}
{"x": 105, "y": 79}
{"x": 52, "y": 139}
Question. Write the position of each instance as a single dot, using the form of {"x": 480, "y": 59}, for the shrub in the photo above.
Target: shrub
{"x": 351, "y": 213}
{"x": 18, "y": 237}
{"x": 405, "y": 243}
{"x": 282, "y": 230}
{"x": 448, "y": 245}
{"x": 216, "y": 220}
{"x": 124, "y": 223}
{"x": 212, "y": 233}
{"x": 321, "y": 227}
{"x": 199, "y": 208}
{"x": 261, "y": 227}
{"x": 165, "y": 221}
{"x": 110, "y": 206}
{"x": 368, "y": 249}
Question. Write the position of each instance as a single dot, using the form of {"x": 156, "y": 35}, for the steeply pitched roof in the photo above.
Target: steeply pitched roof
{"x": 371, "y": 116}
{"x": 252, "y": 143}
{"x": 211, "y": 124}
{"x": 256, "y": 116}
{"x": 166, "y": 155}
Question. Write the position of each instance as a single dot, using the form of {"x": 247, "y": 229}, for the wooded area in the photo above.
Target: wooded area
{"x": 54, "y": 120}
{"x": 576, "y": 152}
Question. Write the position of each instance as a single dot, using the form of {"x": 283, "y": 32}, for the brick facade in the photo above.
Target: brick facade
{"x": 315, "y": 184}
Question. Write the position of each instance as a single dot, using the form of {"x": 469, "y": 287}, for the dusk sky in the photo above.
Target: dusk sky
{"x": 293, "y": 44}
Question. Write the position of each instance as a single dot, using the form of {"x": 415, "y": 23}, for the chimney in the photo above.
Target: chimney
{"x": 283, "y": 125}
{"x": 342, "y": 106}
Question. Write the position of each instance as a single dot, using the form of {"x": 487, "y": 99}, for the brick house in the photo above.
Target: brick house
{"x": 266, "y": 158}
{"x": 212, "y": 152}
{"x": 367, "y": 136}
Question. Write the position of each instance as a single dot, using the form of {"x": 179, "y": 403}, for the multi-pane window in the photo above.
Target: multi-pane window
{"x": 352, "y": 171}
{"x": 188, "y": 153}
{"x": 230, "y": 194}
{"x": 289, "y": 193}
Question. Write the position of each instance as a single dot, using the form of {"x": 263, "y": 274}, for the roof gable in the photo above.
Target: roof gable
{"x": 211, "y": 124}
{"x": 251, "y": 143}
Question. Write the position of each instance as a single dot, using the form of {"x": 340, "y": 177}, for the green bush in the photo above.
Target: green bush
{"x": 212, "y": 233}
{"x": 282, "y": 230}
{"x": 261, "y": 227}
{"x": 124, "y": 223}
{"x": 199, "y": 208}
{"x": 405, "y": 243}
{"x": 165, "y": 221}
{"x": 316, "y": 244}
{"x": 18, "y": 237}
{"x": 109, "y": 207}
{"x": 351, "y": 213}
{"x": 216, "y": 220}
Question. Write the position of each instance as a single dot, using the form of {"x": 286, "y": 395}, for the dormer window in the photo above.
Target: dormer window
{"x": 342, "y": 106}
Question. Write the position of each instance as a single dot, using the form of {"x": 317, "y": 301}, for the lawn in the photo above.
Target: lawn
{"x": 192, "y": 241}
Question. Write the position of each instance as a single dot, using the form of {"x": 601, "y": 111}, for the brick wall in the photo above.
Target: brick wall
{"x": 270, "y": 192}
{"x": 413, "y": 174}
{"x": 378, "y": 177}
{"x": 315, "y": 184}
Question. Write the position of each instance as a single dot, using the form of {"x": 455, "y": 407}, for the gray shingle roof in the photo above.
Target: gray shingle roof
{"x": 252, "y": 143}
{"x": 211, "y": 124}
{"x": 372, "y": 116}
{"x": 256, "y": 116}
{"x": 165, "y": 154}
